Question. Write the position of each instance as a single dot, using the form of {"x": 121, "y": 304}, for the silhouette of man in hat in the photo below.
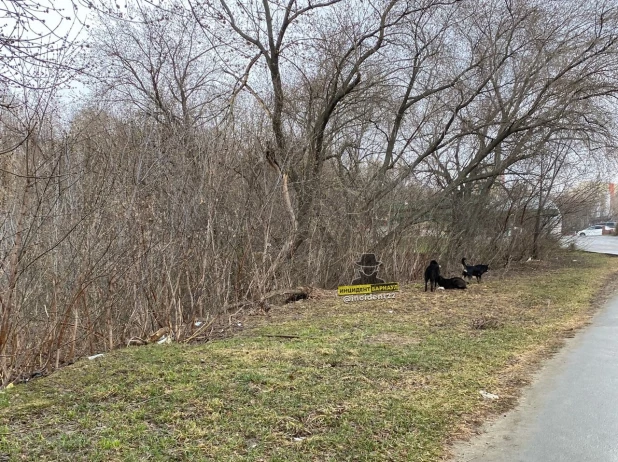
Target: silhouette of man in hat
{"x": 368, "y": 270}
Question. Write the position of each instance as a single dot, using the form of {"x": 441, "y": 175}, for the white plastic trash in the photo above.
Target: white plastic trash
{"x": 487, "y": 395}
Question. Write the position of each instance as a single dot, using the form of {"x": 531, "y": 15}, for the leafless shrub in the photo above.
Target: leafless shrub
{"x": 229, "y": 152}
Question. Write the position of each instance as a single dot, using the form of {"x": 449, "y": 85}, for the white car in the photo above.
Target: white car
{"x": 594, "y": 230}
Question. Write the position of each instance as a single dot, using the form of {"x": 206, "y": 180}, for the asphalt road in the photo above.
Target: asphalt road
{"x": 570, "y": 412}
{"x": 600, "y": 244}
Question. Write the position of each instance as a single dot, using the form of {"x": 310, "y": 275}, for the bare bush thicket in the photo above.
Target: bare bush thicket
{"x": 231, "y": 150}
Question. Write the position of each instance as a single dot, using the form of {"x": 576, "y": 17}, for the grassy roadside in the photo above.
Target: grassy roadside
{"x": 315, "y": 381}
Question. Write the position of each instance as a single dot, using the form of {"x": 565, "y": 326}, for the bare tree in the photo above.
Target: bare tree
{"x": 36, "y": 37}
{"x": 544, "y": 76}
{"x": 232, "y": 149}
{"x": 326, "y": 62}
{"x": 159, "y": 64}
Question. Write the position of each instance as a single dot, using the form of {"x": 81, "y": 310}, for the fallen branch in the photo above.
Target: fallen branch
{"x": 137, "y": 341}
{"x": 200, "y": 330}
{"x": 284, "y": 336}
{"x": 290, "y": 291}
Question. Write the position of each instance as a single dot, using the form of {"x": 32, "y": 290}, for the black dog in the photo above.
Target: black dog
{"x": 474, "y": 271}
{"x": 432, "y": 273}
{"x": 451, "y": 283}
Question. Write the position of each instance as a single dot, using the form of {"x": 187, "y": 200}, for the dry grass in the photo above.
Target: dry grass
{"x": 317, "y": 380}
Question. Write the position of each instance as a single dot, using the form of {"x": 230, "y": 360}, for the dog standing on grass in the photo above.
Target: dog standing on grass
{"x": 432, "y": 273}
{"x": 476, "y": 271}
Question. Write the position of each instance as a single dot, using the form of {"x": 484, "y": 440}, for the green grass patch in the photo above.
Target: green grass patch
{"x": 318, "y": 380}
